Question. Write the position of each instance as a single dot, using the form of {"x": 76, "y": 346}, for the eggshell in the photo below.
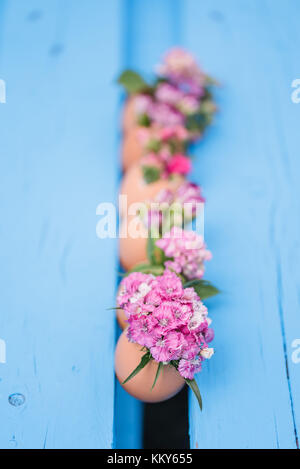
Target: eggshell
{"x": 127, "y": 357}
{"x": 132, "y": 250}
{"x": 129, "y": 115}
{"x": 132, "y": 149}
{"x": 137, "y": 190}
{"x": 121, "y": 318}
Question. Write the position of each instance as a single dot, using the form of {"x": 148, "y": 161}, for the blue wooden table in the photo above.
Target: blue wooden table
{"x": 59, "y": 142}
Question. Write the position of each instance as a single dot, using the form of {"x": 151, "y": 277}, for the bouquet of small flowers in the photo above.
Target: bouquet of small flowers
{"x": 170, "y": 208}
{"x": 164, "y": 308}
{"x": 160, "y": 301}
{"x": 179, "y": 97}
{"x": 164, "y": 153}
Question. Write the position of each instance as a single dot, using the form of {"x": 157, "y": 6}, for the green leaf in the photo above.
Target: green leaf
{"x": 159, "y": 369}
{"x": 144, "y": 120}
{"x": 203, "y": 288}
{"x": 210, "y": 81}
{"x": 151, "y": 174}
{"x": 154, "y": 145}
{"x": 144, "y": 361}
{"x": 192, "y": 383}
{"x": 151, "y": 250}
{"x": 139, "y": 268}
{"x": 133, "y": 82}
{"x": 116, "y": 307}
{"x": 155, "y": 255}
{"x": 147, "y": 269}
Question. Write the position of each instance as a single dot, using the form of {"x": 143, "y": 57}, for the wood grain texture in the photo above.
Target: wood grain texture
{"x": 248, "y": 166}
{"x": 58, "y": 162}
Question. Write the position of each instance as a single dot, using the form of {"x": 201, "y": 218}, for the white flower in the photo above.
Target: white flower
{"x": 144, "y": 289}
{"x": 207, "y": 353}
{"x": 199, "y": 315}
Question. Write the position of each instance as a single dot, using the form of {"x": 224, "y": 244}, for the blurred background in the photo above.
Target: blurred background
{"x": 59, "y": 158}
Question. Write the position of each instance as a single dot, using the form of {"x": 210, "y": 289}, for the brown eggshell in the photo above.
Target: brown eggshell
{"x": 132, "y": 250}
{"x": 137, "y": 190}
{"x": 132, "y": 149}
{"x": 129, "y": 118}
{"x": 121, "y": 318}
{"x": 127, "y": 358}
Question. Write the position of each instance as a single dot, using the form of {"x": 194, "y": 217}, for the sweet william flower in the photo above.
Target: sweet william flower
{"x": 130, "y": 286}
{"x": 163, "y": 114}
{"x": 142, "y": 104}
{"x": 167, "y": 348}
{"x": 207, "y": 353}
{"x": 181, "y": 69}
{"x": 141, "y": 333}
{"x": 189, "y": 105}
{"x": 209, "y": 335}
{"x": 188, "y": 368}
{"x": 178, "y": 132}
{"x": 160, "y": 351}
{"x": 187, "y": 250}
{"x": 166, "y": 319}
{"x": 169, "y": 94}
{"x": 179, "y": 164}
{"x": 169, "y": 286}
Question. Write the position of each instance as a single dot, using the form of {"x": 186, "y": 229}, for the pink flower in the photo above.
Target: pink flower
{"x": 188, "y": 195}
{"x": 190, "y": 348}
{"x": 163, "y": 114}
{"x": 168, "y": 94}
{"x": 168, "y": 320}
{"x": 209, "y": 335}
{"x": 167, "y": 348}
{"x": 140, "y": 332}
{"x": 187, "y": 251}
{"x": 188, "y": 368}
{"x": 177, "y": 132}
{"x": 131, "y": 287}
{"x": 165, "y": 320}
{"x": 180, "y": 164}
{"x": 160, "y": 351}
{"x": 188, "y": 192}
{"x": 142, "y": 104}
{"x": 189, "y": 105}
{"x": 169, "y": 286}
{"x": 180, "y": 68}
{"x": 152, "y": 160}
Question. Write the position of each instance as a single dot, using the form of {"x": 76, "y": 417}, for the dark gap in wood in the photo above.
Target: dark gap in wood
{"x": 166, "y": 425}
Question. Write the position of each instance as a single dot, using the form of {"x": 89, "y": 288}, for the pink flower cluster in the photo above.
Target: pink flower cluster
{"x": 181, "y": 69}
{"x": 166, "y": 163}
{"x": 159, "y": 112}
{"x": 188, "y": 196}
{"x": 178, "y": 95}
{"x": 163, "y": 136}
{"x": 187, "y": 193}
{"x": 168, "y": 320}
{"x": 187, "y": 251}
{"x": 184, "y": 201}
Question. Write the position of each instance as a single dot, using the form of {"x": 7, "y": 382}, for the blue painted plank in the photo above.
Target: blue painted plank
{"x": 248, "y": 165}
{"x": 58, "y": 162}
